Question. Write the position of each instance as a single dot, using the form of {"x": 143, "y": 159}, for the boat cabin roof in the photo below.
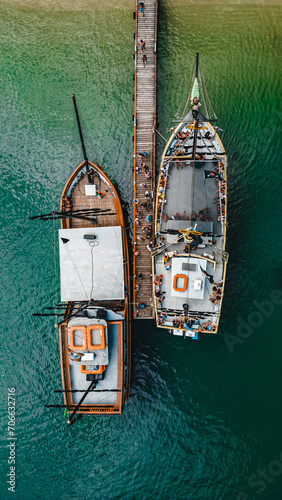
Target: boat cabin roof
{"x": 91, "y": 264}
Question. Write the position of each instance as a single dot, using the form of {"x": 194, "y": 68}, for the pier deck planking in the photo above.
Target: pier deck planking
{"x": 144, "y": 140}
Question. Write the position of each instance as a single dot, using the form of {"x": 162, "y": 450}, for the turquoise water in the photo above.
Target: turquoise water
{"x": 203, "y": 420}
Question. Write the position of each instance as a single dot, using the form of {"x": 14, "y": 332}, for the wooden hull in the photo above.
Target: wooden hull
{"x": 74, "y": 199}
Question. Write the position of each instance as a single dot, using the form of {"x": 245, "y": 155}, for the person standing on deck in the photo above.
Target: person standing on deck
{"x": 195, "y": 107}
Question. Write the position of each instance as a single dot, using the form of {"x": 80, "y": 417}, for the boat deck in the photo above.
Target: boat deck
{"x": 107, "y": 201}
{"x": 112, "y": 380}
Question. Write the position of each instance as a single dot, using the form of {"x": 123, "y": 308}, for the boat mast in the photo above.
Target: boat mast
{"x": 81, "y": 140}
{"x": 197, "y": 64}
{"x": 196, "y": 123}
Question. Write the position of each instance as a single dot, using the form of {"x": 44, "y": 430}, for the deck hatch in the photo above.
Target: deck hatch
{"x": 189, "y": 267}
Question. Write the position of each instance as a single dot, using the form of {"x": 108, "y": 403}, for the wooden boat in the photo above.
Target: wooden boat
{"x": 95, "y": 331}
{"x": 189, "y": 257}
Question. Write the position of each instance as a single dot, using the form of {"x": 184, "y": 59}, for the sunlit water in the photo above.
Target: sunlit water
{"x": 200, "y": 420}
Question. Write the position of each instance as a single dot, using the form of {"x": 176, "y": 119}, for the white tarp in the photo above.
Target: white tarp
{"x": 91, "y": 268}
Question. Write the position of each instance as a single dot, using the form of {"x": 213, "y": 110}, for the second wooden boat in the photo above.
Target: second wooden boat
{"x": 189, "y": 258}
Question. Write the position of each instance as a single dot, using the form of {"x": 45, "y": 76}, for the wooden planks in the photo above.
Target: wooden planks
{"x": 144, "y": 140}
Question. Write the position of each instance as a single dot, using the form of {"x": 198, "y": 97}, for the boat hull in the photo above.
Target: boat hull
{"x": 111, "y": 392}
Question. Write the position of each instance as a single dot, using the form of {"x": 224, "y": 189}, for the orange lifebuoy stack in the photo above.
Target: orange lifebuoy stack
{"x": 79, "y": 347}
{"x": 86, "y": 335}
{"x": 184, "y": 287}
{"x": 102, "y": 344}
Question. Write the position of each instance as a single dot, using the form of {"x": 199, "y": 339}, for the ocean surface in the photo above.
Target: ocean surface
{"x": 204, "y": 419}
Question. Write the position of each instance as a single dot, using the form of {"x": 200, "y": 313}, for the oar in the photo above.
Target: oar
{"x": 68, "y": 217}
{"x": 73, "y": 314}
{"x": 43, "y": 215}
{"x": 93, "y": 383}
{"x": 48, "y": 314}
{"x": 93, "y": 390}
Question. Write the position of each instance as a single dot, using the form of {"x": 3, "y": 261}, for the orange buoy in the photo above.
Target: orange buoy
{"x": 175, "y": 287}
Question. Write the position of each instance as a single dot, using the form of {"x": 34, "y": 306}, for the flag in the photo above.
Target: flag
{"x": 212, "y": 175}
{"x": 208, "y": 276}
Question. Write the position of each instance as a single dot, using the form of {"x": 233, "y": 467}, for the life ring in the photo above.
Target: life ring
{"x": 100, "y": 370}
{"x": 102, "y": 344}
{"x": 175, "y": 287}
{"x": 80, "y": 347}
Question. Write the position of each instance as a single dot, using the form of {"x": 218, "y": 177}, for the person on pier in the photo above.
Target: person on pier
{"x": 141, "y": 7}
{"x": 142, "y": 45}
{"x": 144, "y": 60}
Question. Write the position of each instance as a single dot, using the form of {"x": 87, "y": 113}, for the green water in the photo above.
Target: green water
{"x": 201, "y": 422}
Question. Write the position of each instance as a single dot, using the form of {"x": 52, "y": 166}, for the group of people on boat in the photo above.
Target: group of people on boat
{"x": 187, "y": 323}
{"x": 190, "y": 247}
{"x": 158, "y": 280}
{"x": 200, "y": 157}
{"x": 167, "y": 258}
{"x": 204, "y": 215}
{"x": 221, "y": 195}
{"x": 216, "y": 293}
{"x": 182, "y": 136}
{"x": 163, "y": 180}
{"x": 159, "y": 294}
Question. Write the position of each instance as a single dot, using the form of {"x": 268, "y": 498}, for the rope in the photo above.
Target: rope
{"x": 203, "y": 96}
{"x": 187, "y": 104}
{"x": 205, "y": 93}
{"x": 164, "y": 247}
{"x": 155, "y": 130}
{"x": 76, "y": 269}
{"x": 92, "y": 244}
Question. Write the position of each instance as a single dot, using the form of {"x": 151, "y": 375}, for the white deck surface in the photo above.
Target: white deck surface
{"x": 190, "y": 292}
{"x": 79, "y": 281}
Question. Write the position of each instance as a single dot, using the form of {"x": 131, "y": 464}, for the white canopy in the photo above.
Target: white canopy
{"x": 91, "y": 268}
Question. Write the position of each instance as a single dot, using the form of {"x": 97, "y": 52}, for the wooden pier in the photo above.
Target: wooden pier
{"x": 144, "y": 141}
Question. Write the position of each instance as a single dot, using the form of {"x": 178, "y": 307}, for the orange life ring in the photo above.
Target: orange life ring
{"x": 80, "y": 347}
{"x": 97, "y": 372}
{"x": 184, "y": 284}
{"x": 102, "y": 344}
